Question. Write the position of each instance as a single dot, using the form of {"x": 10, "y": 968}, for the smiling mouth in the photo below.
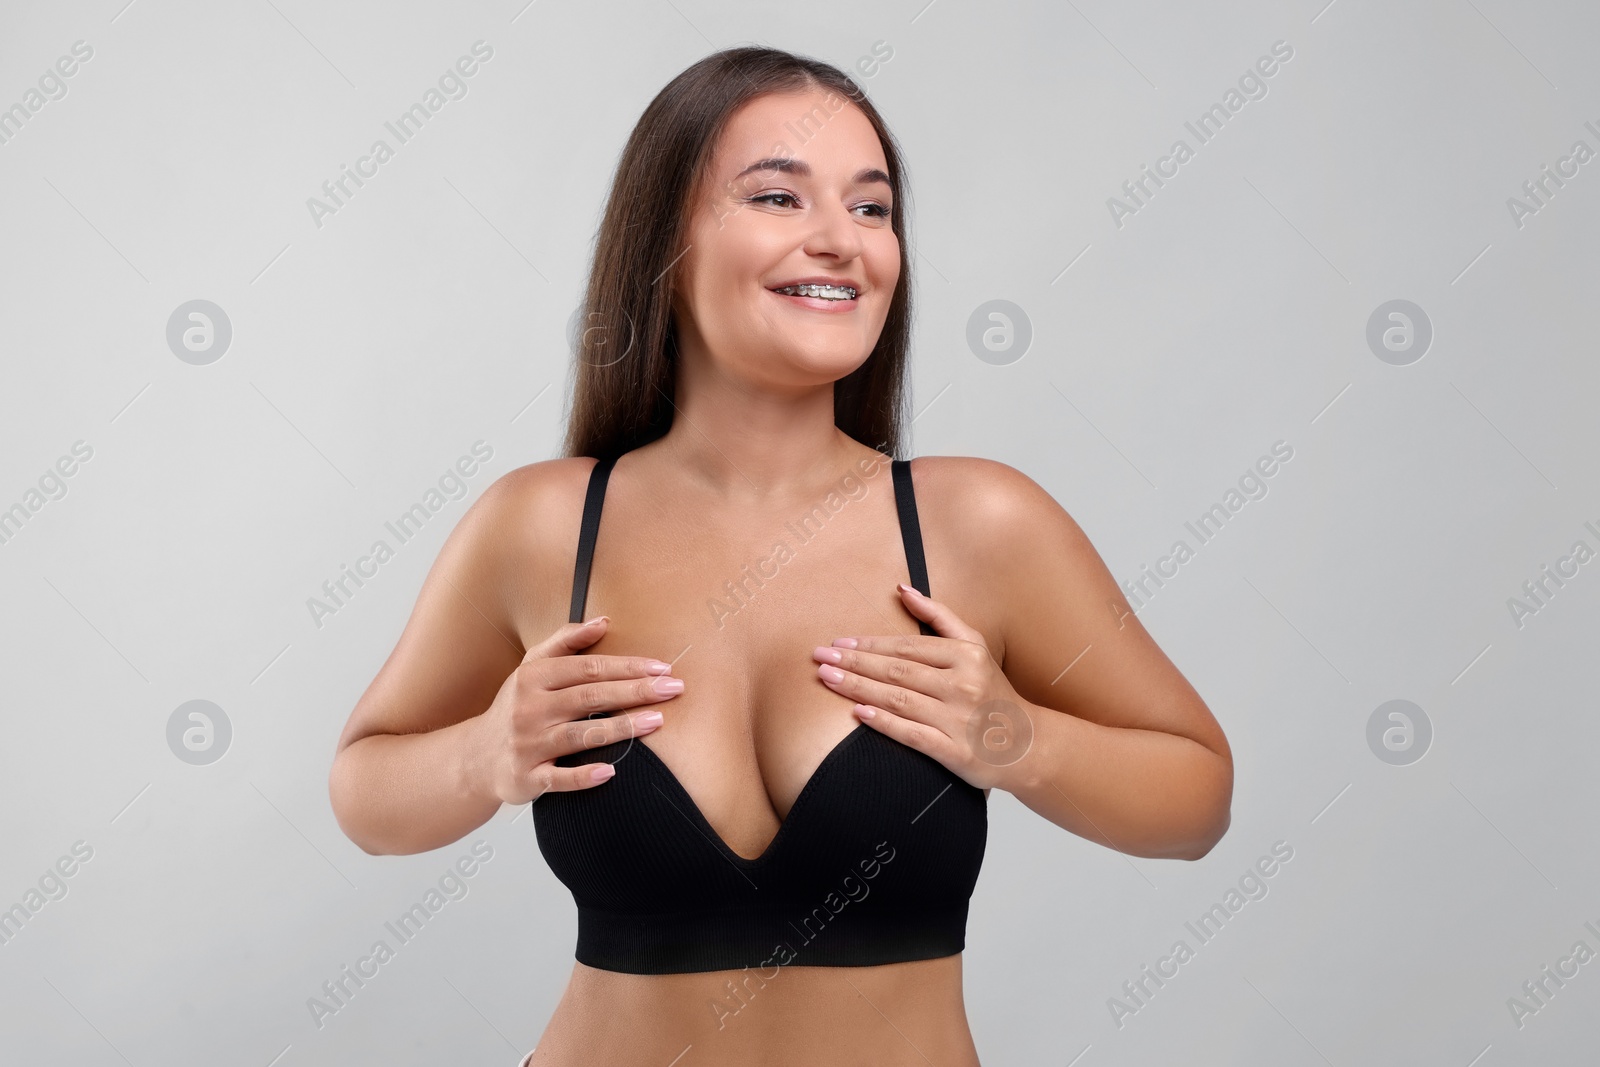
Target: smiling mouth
{"x": 825, "y": 292}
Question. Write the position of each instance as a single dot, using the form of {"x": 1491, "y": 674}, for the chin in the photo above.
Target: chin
{"x": 827, "y": 363}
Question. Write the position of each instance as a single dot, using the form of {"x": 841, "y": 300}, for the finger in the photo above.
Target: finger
{"x": 581, "y": 735}
{"x": 569, "y": 638}
{"x": 549, "y": 778}
{"x": 904, "y": 702}
{"x": 919, "y": 648}
{"x": 563, "y": 671}
{"x": 936, "y": 614}
{"x": 926, "y": 739}
{"x": 587, "y": 698}
{"x": 895, "y": 670}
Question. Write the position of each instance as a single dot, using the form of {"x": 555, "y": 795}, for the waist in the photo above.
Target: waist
{"x": 814, "y": 1014}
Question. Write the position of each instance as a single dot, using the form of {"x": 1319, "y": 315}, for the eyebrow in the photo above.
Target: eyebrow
{"x": 803, "y": 169}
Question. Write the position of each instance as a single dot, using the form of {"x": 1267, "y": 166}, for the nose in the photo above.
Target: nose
{"x": 834, "y": 232}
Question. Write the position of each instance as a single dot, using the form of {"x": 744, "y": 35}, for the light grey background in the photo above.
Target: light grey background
{"x": 1168, "y": 354}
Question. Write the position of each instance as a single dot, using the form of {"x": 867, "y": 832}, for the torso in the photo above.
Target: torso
{"x": 746, "y": 735}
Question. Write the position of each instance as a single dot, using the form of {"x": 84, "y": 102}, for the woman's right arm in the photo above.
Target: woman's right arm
{"x": 461, "y": 718}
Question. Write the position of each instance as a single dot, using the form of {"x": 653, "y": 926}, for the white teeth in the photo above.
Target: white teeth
{"x": 826, "y": 292}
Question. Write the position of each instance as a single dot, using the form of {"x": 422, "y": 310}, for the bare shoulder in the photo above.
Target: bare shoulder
{"x": 989, "y": 507}
{"x": 531, "y": 516}
{"x": 995, "y": 539}
{"x": 495, "y": 588}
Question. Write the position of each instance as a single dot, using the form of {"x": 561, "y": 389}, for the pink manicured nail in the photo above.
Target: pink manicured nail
{"x": 831, "y": 674}
{"x": 864, "y": 711}
{"x": 666, "y": 686}
{"x": 828, "y": 655}
{"x": 846, "y": 642}
{"x": 601, "y": 772}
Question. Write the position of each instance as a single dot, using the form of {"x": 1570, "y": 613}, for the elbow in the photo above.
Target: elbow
{"x": 1199, "y": 848}
{"x": 346, "y": 805}
{"x": 1214, "y": 811}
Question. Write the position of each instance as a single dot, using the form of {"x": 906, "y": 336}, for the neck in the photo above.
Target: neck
{"x": 738, "y": 443}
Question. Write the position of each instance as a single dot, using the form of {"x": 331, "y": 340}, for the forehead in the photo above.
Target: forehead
{"x": 816, "y": 125}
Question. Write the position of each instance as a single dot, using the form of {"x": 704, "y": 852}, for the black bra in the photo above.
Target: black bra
{"x": 874, "y": 864}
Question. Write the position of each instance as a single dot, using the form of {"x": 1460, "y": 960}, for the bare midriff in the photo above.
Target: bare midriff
{"x": 909, "y": 1014}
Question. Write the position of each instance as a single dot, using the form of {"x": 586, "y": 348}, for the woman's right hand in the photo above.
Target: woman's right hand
{"x": 544, "y": 708}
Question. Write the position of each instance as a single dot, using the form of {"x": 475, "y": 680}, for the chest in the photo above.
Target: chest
{"x": 737, "y": 607}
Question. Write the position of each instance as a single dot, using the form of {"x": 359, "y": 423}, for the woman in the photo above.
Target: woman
{"x": 763, "y": 772}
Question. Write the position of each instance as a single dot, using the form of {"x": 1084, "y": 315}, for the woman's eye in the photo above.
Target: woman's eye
{"x": 876, "y": 210}
{"x": 769, "y": 197}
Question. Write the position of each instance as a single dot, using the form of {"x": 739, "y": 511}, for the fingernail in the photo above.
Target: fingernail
{"x": 828, "y": 655}
{"x": 846, "y": 642}
{"x": 665, "y": 686}
{"x": 831, "y": 674}
{"x": 907, "y": 588}
{"x": 598, "y": 618}
{"x": 601, "y": 772}
{"x": 649, "y": 720}
{"x": 864, "y": 711}
{"x": 655, "y": 666}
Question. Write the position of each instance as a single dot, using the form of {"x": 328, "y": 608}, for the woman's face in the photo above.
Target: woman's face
{"x": 797, "y": 192}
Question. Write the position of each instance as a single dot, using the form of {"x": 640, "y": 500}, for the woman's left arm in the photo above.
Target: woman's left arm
{"x": 1081, "y": 715}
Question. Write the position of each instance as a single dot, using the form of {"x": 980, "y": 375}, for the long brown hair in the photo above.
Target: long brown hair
{"x": 627, "y": 347}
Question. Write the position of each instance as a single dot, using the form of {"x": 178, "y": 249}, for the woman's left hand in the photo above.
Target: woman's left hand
{"x": 944, "y": 696}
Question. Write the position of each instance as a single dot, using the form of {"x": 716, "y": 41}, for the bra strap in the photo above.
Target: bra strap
{"x": 598, "y": 476}
{"x": 905, "y": 502}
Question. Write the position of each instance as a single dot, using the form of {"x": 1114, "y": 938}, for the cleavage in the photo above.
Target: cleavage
{"x": 744, "y": 761}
